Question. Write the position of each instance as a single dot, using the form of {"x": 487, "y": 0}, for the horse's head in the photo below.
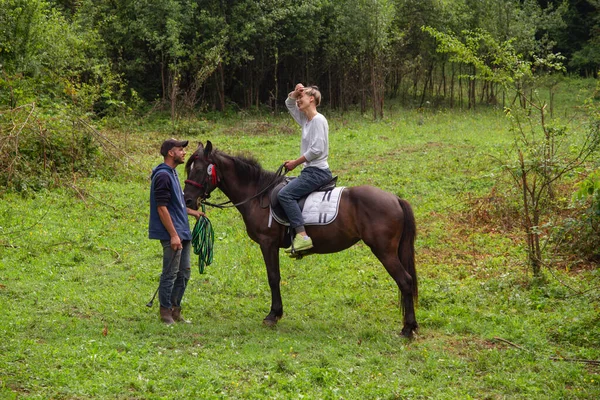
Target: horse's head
{"x": 201, "y": 174}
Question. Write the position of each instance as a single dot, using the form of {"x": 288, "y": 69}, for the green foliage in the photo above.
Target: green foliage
{"x": 52, "y": 59}
{"x": 494, "y": 61}
{"x": 580, "y": 41}
{"x": 42, "y": 151}
{"x": 206, "y": 54}
{"x": 590, "y": 188}
{"x": 544, "y": 153}
{"x": 581, "y": 232}
{"x": 585, "y": 241}
{"x": 588, "y": 58}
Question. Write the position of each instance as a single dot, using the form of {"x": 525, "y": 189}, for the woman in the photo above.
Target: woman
{"x": 302, "y": 104}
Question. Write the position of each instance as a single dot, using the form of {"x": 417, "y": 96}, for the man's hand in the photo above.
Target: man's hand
{"x": 195, "y": 213}
{"x": 176, "y": 243}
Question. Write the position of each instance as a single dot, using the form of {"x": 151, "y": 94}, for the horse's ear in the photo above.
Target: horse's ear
{"x": 207, "y": 149}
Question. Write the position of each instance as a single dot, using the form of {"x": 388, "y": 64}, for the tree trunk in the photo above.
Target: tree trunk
{"x": 329, "y": 88}
{"x": 377, "y": 96}
{"x": 221, "y": 86}
{"x": 163, "y": 79}
{"x": 472, "y": 86}
{"x": 443, "y": 84}
{"x": 415, "y": 82}
{"x": 276, "y": 82}
{"x": 452, "y": 88}
{"x": 460, "y": 88}
{"x": 428, "y": 84}
{"x": 374, "y": 90}
{"x": 173, "y": 92}
{"x": 363, "y": 94}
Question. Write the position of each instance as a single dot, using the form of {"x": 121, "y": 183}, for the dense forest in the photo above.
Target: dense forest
{"x": 187, "y": 55}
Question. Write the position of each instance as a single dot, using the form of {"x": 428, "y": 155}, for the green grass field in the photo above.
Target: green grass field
{"x": 77, "y": 269}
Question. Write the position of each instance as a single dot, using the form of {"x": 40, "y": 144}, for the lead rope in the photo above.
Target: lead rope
{"x": 203, "y": 238}
{"x": 227, "y": 204}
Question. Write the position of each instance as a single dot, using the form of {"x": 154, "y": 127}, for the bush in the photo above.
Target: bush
{"x": 38, "y": 152}
{"x": 586, "y": 223}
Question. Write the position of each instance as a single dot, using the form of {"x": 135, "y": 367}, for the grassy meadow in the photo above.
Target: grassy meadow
{"x": 77, "y": 269}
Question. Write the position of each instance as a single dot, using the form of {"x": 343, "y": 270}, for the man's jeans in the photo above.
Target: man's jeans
{"x": 175, "y": 274}
{"x": 310, "y": 179}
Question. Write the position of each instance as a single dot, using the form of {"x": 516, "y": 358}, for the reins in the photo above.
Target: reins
{"x": 203, "y": 238}
{"x": 226, "y": 204}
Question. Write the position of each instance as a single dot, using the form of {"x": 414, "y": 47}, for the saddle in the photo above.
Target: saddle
{"x": 277, "y": 211}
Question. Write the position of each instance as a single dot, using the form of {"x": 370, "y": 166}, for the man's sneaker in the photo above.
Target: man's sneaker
{"x": 300, "y": 243}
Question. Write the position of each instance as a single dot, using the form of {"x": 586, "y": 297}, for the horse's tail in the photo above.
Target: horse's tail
{"x": 406, "y": 248}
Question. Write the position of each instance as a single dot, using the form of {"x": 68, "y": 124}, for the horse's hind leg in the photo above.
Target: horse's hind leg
{"x": 389, "y": 258}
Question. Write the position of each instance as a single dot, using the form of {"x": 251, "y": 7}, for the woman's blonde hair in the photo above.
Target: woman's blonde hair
{"x": 314, "y": 92}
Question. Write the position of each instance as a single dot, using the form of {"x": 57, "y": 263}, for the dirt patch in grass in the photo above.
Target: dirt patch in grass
{"x": 498, "y": 215}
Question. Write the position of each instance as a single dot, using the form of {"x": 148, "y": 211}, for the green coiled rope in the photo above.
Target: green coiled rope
{"x": 203, "y": 238}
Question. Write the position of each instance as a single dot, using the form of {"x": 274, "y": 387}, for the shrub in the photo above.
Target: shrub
{"x": 37, "y": 152}
{"x": 586, "y": 223}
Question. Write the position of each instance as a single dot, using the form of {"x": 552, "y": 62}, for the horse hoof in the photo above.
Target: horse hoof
{"x": 409, "y": 333}
{"x": 271, "y": 320}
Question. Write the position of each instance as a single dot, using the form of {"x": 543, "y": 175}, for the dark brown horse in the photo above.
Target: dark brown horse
{"x": 383, "y": 221}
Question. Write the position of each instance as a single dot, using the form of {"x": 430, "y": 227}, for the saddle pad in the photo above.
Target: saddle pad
{"x": 320, "y": 208}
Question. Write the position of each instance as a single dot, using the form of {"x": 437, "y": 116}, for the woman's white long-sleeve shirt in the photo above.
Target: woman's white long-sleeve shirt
{"x": 315, "y": 136}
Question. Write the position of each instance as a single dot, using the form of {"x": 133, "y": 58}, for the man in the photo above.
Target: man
{"x": 169, "y": 224}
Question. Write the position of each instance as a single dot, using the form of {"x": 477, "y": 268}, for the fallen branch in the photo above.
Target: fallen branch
{"x": 104, "y": 138}
{"x": 82, "y": 196}
{"x": 26, "y": 228}
{"x": 113, "y": 250}
{"x": 511, "y": 343}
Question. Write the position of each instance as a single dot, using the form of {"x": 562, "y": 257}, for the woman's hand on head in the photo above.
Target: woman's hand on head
{"x": 298, "y": 90}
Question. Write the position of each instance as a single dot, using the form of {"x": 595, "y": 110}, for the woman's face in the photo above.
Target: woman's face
{"x": 304, "y": 101}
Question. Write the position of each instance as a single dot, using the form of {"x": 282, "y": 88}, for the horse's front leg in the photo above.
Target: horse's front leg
{"x": 271, "y": 256}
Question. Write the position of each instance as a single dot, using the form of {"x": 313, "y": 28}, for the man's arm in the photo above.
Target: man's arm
{"x": 166, "y": 220}
{"x": 195, "y": 213}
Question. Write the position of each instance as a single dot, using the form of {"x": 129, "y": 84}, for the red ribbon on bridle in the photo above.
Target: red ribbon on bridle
{"x": 213, "y": 175}
{"x": 214, "y": 179}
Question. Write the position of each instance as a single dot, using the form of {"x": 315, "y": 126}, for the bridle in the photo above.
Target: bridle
{"x": 216, "y": 180}
{"x": 211, "y": 172}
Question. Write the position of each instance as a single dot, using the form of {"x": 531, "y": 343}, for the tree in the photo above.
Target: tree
{"x": 547, "y": 152}
{"x": 45, "y": 56}
{"x": 544, "y": 151}
{"x": 587, "y": 58}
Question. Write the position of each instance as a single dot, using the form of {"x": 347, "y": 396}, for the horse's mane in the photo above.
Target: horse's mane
{"x": 249, "y": 169}
{"x": 246, "y": 167}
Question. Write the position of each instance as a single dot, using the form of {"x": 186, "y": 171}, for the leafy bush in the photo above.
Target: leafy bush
{"x": 586, "y": 243}
{"x": 38, "y": 152}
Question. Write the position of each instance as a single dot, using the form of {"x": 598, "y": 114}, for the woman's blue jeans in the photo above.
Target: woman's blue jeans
{"x": 310, "y": 179}
{"x": 175, "y": 274}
